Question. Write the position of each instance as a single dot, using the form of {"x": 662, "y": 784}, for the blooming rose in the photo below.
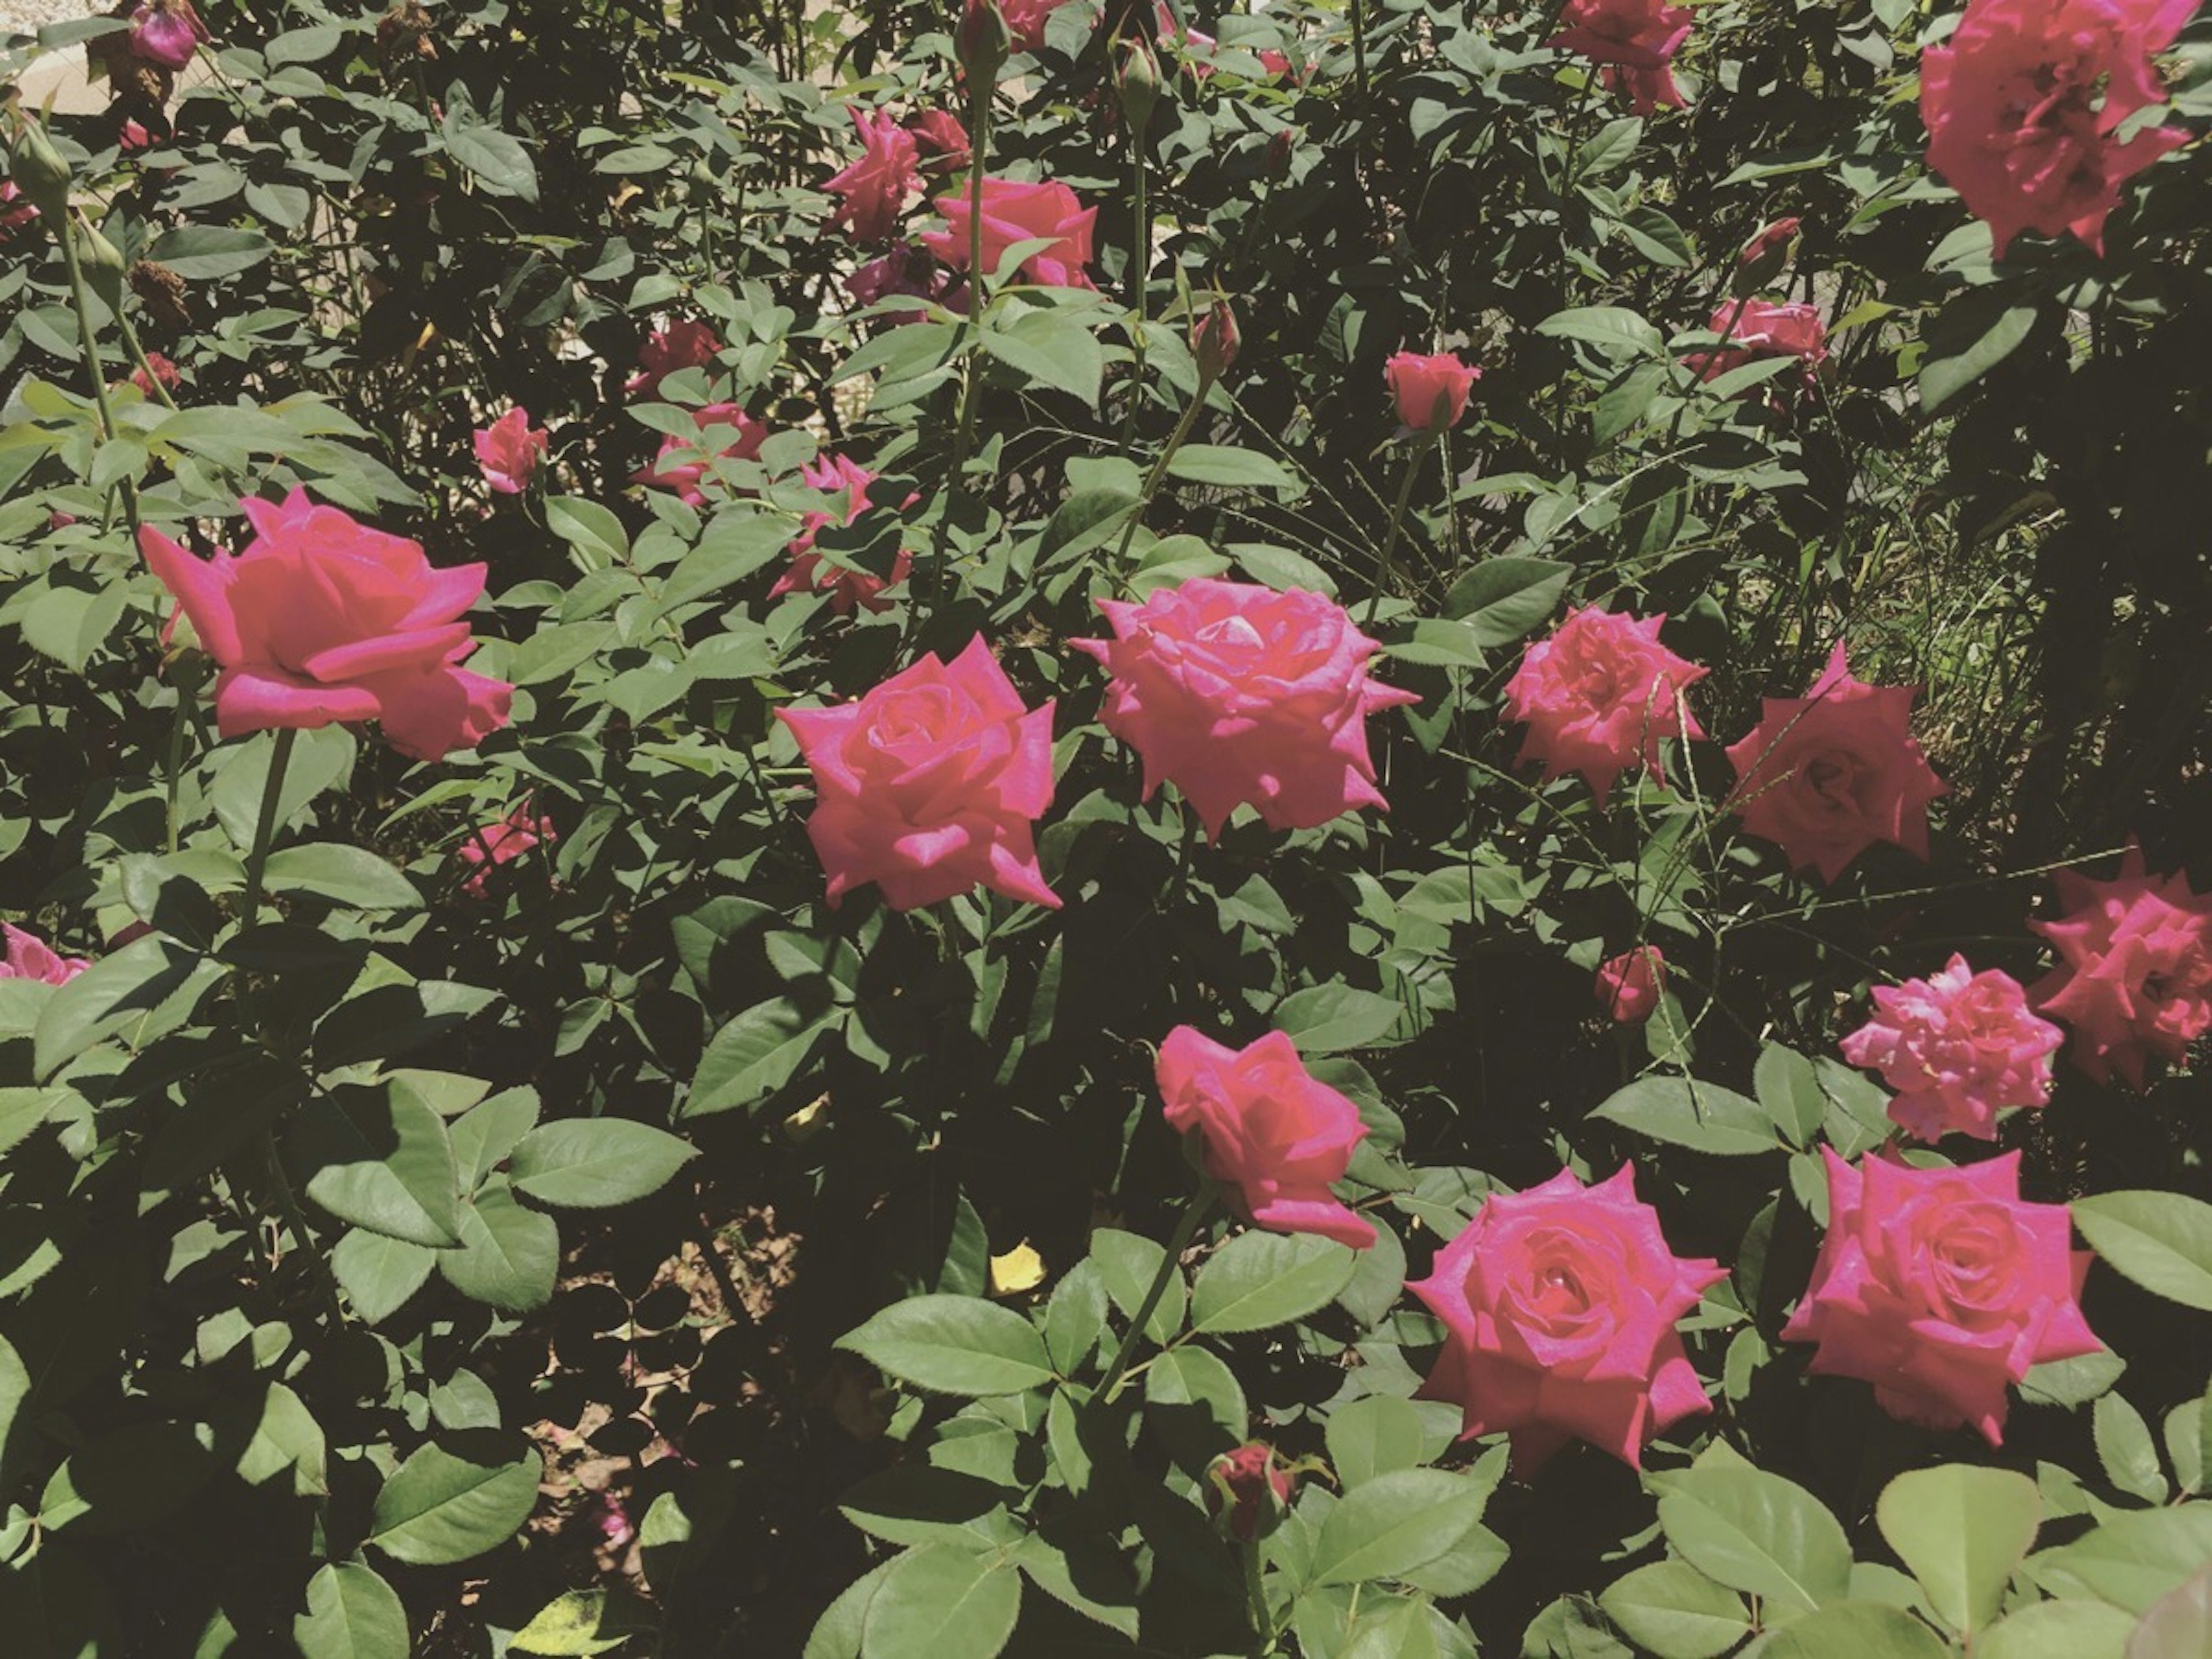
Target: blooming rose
{"x": 1238, "y": 694}
{"x": 322, "y": 620}
{"x": 1939, "y": 1286}
{"x": 29, "y": 957}
{"x": 1558, "y": 1307}
{"x": 502, "y": 843}
{"x": 164, "y": 371}
{"x": 509, "y": 450}
{"x": 846, "y": 588}
{"x": 166, "y": 32}
{"x": 2024, "y": 105}
{"x": 1958, "y": 1049}
{"x": 1630, "y": 985}
{"x": 1272, "y": 1135}
{"x": 940, "y": 140}
{"x": 1025, "y": 20}
{"x": 1247, "y": 1491}
{"x": 907, "y": 269}
{"x": 1421, "y": 384}
{"x": 2135, "y": 973}
{"x": 688, "y": 478}
{"x": 875, "y": 186}
{"x": 1752, "y": 328}
{"x": 930, "y": 784}
{"x": 1634, "y": 41}
{"x": 1598, "y": 695}
{"x": 1829, "y": 773}
{"x": 1014, "y": 213}
{"x": 688, "y": 343}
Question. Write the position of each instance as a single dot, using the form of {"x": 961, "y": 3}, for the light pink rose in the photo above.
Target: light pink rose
{"x": 688, "y": 477}
{"x": 502, "y": 843}
{"x": 1559, "y": 1306}
{"x": 509, "y": 450}
{"x": 808, "y": 571}
{"x": 1958, "y": 1048}
{"x": 1827, "y": 775}
{"x": 930, "y": 784}
{"x": 1634, "y": 42}
{"x": 1426, "y": 388}
{"x": 2024, "y": 105}
{"x": 1598, "y": 697}
{"x": 1238, "y": 694}
{"x": 1940, "y": 1288}
{"x": 2134, "y": 978}
{"x": 686, "y": 343}
{"x": 876, "y": 184}
{"x": 322, "y": 620}
{"x": 1014, "y": 213}
{"x": 1273, "y": 1136}
{"x": 29, "y": 957}
{"x": 1630, "y": 985}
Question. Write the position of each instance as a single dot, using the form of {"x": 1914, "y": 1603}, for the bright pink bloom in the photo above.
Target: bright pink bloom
{"x": 846, "y": 588}
{"x": 1599, "y": 695}
{"x": 875, "y": 186}
{"x": 1238, "y": 694}
{"x": 1768, "y": 243}
{"x": 1630, "y": 985}
{"x": 688, "y": 478}
{"x": 910, "y": 270}
{"x": 1941, "y": 1286}
{"x": 2135, "y": 973}
{"x": 931, "y": 785}
{"x": 688, "y": 343}
{"x": 322, "y": 620}
{"x": 1634, "y": 41}
{"x": 1247, "y": 1491}
{"x": 503, "y": 843}
{"x": 164, "y": 371}
{"x": 1273, "y": 1136}
{"x": 1752, "y": 329}
{"x": 1025, "y": 21}
{"x": 1958, "y": 1049}
{"x": 509, "y": 450}
{"x": 29, "y": 957}
{"x": 939, "y": 139}
{"x": 1423, "y": 386}
{"x": 133, "y": 136}
{"x": 166, "y": 32}
{"x": 1827, "y": 775}
{"x": 15, "y": 212}
{"x": 2024, "y": 103}
{"x": 1559, "y": 1306}
{"x": 1014, "y": 213}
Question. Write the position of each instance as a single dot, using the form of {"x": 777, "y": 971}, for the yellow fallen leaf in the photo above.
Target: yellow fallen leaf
{"x": 1020, "y": 1269}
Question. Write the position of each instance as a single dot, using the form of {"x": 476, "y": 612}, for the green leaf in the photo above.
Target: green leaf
{"x": 352, "y": 1613}
{"x": 1506, "y": 600}
{"x": 1229, "y": 468}
{"x": 2059, "y": 1629}
{"x": 1856, "y": 1630}
{"x": 200, "y": 253}
{"x": 2180, "y": 1623}
{"x": 2132, "y": 1558}
{"x": 583, "y": 1621}
{"x": 1052, "y": 351}
{"x": 755, "y": 1055}
{"x": 1378, "y": 1435}
{"x": 1961, "y": 1531}
{"x": 303, "y": 45}
{"x": 1789, "y": 1089}
{"x": 1677, "y": 1612}
{"x": 593, "y": 531}
{"x": 2125, "y": 1448}
{"x": 1684, "y": 1112}
{"x": 497, "y": 159}
{"x": 1395, "y": 1523}
{"x": 146, "y": 987}
{"x": 1757, "y": 1532}
{"x": 939, "y": 1601}
{"x": 958, "y": 1345}
{"x": 320, "y": 760}
{"x": 918, "y": 1504}
{"x": 1942, "y": 378}
{"x": 1194, "y": 1403}
{"x": 2162, "y": 1240}
{"x": 1260, "y": 1280}
{"x": 1616, "y": 330}
{"x": 596, "y": 1163}
{"x": 1328, "y": 1019}
{"x": 379, "y": 1157}
{"x": 509, "y": 1255}
{"x": 379, "y": 1274}
{"x": 444, "y": 1505}
{"x": 349, "y": 875}
{"x": 1127, "y": 1264}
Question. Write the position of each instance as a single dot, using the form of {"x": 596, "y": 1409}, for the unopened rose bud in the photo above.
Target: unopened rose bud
{"x": 1137, "y": 78}
{"x": 103, "y": 268}
{"x": 1279, "y": 153}
{"x": 982, "y": 43}
{"x": 37, "y": 166}
{"x": 1215, "y": 342}
{"x": 1764, "y": 256}
{"x": 1247, "y": 1492}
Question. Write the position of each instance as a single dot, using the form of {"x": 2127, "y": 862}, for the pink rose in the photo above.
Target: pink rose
{"x": 688, "y": 343}
{"x": 1017, "y": 213}
{"x": 1958, "y": 1049}
{"x": 1429, "y": 391}
{"x": 846, "y": 588}
{"x": 2023, "y": 104}
{"x": 1752, "y": 328}
{"x": 29, "y": 957}
{"x": 509, "y": 450}
{"x": 2135, "y": 973}
{"x": 1025, "y": 21}
{"x": 1769, "y": 243}
{"x": 132, "y": 137}
{"x": 1599, "y": 695}
{"x": 1635, "y": 42}
{"x": 930, "y": 784}
{"x": 502, "y": 843}
{"x": 166, "y": 32}
{"x": 1829, "y": 773}
{"x": 1238, "y": 694}
{"x": 1559, "y": 1305}
{"x": 15, "y": 211}
{"x": 688, "y": 478}
{"x": 1272, "y": 1135}
{"x": 906, "y": 270}
{"x": 322, "y": 620}
{"x": 875, "y": 186}
{"x": 1630, "y": 985}
{"x": 1940, "y": 1287}
{"x": 1247, "y": 1491}
{"x": 939, "y": 139}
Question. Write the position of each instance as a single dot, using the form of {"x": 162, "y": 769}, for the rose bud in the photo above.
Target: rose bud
{"x": 982, "y": 42}
{"x": 1214, "y": 341}
{"x": 1247, "y": 1492}
{"x": 1137, "y": 78}
{"x": 1278, "y": 165}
